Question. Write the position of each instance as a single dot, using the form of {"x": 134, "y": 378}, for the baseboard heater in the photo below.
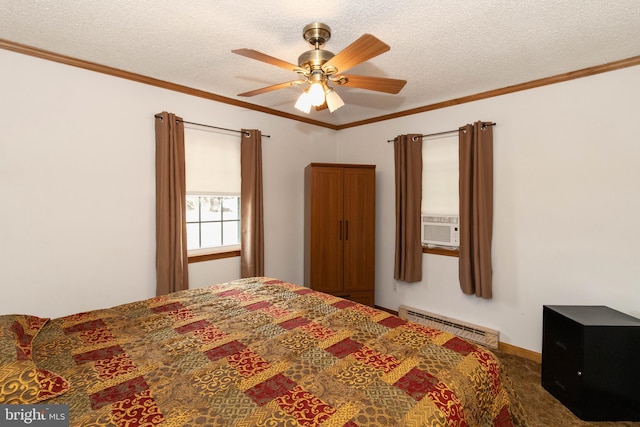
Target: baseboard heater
{"x": 478, "y": 334}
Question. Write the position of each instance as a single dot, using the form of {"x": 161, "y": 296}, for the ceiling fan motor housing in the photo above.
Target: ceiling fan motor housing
{"x": 317, "y": 34}
{"x": 314, "y": 59}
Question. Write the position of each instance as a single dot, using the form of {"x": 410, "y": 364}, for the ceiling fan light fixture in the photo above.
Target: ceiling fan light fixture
{"x": 304, "y": 103}
{"x": 316, "y": 94}
{"x": 333, "y": 100}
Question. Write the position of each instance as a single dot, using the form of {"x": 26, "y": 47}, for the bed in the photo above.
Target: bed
{"x": 252, "y": 352}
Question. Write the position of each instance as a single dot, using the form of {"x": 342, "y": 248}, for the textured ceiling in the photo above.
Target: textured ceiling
{"x": 445, "y": 49}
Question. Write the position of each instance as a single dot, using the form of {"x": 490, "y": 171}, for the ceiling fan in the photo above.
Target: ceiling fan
{"x": 319, "y": 67}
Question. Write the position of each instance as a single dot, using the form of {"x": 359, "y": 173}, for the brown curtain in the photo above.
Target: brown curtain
{"x": 408, "y": 174}
{"x": 252, "y": 220}
{"x": 476, "y": 208}
{"x": 171, "y": 237}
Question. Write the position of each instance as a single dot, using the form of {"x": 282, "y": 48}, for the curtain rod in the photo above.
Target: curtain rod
{"x": 208, "y": 126}
{"x": 441, "y": 133}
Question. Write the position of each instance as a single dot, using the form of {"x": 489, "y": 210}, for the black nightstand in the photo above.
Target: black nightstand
{"x": 591, "y": 361}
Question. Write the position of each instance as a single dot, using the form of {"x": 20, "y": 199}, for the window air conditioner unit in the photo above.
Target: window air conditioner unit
{"x": 441, "y": 230}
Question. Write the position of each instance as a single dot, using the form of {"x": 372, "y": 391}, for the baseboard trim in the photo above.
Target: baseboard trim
{"x": 520, "y": 352}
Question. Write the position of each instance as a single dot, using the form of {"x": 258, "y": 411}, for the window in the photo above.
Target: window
{"x": 440, "y": 180}
{"x": 213, "y": 221}
{"x": 212, "y": 161}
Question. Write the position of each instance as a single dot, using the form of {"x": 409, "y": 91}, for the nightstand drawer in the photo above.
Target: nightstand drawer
{"x": 563, "y": 380}
{"x": 561, "y": 335}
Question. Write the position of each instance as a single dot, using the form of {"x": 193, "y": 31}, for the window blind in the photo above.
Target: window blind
{"x": 440, "y": 175}
{"x": 212, "y": 162}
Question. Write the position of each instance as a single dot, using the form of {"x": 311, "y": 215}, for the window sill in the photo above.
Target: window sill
{"x": 441, "y": 251}
{"x": 212, "y": 256}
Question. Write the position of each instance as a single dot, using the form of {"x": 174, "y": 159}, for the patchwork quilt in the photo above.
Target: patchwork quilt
{"x": 262, "y": 352}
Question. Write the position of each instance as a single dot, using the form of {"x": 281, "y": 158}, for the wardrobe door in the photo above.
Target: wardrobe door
{"x": 359, "y": 229}
{"x": 326, "y": 229}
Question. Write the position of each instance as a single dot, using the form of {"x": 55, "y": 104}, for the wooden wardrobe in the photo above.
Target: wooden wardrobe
{"x": 340, "y": 230}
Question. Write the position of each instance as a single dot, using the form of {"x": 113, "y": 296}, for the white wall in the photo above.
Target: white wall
{"x": 77, "y": 195}
{"x": 566, "y": 205}
{"x": 77, "y": 192}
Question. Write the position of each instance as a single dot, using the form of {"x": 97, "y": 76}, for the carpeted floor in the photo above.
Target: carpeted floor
{"x": 543, "y": 410}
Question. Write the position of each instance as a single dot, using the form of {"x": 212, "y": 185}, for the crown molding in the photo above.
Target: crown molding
{"x": 585, "y": 72}
{"x": 92, "y": 66}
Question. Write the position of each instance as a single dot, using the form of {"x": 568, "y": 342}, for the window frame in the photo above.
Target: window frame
{"x": 215, "y": 252}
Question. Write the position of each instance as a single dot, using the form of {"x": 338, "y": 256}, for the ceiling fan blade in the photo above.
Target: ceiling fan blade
{"x": 379, "y": 84}
{"x": 254, "y": 54}
{"x": 273, "y": 87}
{"x": 361, "y": 50}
